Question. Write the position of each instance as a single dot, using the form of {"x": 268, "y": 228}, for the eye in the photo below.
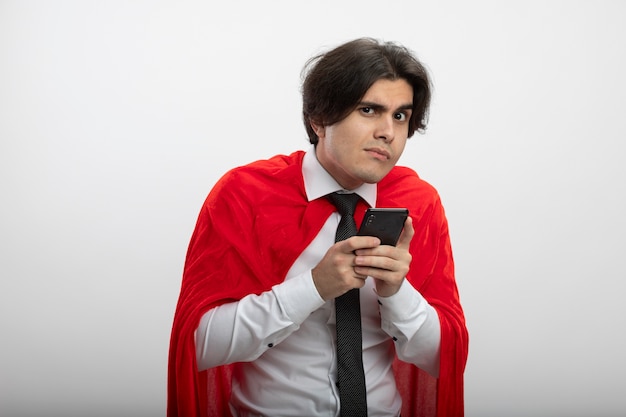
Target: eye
{"x": 367, "y": 110}
{"x": 401, "y": 116}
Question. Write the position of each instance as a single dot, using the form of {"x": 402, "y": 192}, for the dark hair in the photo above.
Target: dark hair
{"x": 335, "y": 81}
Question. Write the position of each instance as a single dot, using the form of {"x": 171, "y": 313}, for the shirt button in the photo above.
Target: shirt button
{"x": 270, "y": 345}
{"x": 395, "y": 339}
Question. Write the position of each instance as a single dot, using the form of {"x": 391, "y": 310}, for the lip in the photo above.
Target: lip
{"x": 379, "y": 153}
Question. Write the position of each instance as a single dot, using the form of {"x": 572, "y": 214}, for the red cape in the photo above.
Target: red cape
{"x": 242, "y": 244}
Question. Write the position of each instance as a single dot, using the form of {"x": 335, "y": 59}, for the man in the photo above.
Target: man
{"x": 254, "y": 332}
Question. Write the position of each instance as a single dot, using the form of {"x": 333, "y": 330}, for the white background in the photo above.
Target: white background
{"x": 117, "y": 117}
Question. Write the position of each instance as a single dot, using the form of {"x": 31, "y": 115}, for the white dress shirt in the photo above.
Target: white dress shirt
{"x": 283, "y": 341}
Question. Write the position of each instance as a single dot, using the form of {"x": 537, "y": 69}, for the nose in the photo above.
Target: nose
{"x": 384, "y": 129}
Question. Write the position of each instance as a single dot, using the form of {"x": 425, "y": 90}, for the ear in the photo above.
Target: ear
{"x": 319, "y": 129}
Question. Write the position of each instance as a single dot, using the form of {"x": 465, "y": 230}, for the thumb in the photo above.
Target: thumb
{"x": 407, "y": 234}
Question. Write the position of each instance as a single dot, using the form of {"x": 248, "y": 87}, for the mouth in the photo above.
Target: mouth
{"x": 379, "y": 153}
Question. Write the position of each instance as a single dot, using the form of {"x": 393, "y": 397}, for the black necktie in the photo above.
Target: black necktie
{"x": 350, "y": 375}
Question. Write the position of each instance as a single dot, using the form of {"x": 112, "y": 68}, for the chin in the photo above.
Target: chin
{"x": 373, "y": 178}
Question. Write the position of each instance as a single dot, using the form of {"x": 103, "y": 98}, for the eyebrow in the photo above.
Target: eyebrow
{"x": 377, "y": 106}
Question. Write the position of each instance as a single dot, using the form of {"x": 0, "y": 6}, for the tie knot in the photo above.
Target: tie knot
{"x": 345, "y": 203}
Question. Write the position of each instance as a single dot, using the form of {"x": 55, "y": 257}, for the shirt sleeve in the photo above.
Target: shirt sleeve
{"x": 414, "y": 326}
{"x": 241, "y": 331}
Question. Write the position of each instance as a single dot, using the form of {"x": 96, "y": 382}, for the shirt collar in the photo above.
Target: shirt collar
{"x": 318, "y": 182}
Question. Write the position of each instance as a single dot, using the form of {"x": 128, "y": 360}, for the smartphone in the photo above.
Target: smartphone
{"x": 384, "y": 223}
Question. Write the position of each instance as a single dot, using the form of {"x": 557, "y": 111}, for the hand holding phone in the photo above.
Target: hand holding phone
{"x": 384, "y": 223}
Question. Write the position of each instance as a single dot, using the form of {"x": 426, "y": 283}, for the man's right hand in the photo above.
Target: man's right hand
{"x": 334, "y": 275}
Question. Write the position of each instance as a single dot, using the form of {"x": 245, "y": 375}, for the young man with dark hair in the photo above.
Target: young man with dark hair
{"x": 257, "y": 326}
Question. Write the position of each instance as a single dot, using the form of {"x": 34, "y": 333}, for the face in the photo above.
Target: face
{"x": 365, "y": 146}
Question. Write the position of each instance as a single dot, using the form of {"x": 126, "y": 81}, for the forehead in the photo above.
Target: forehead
{"x": 390, "y": 93}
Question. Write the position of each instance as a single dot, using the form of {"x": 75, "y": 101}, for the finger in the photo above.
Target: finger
{"x": 376, "y": 262}
{"x": 407, "y": 234}
{"x": 359, "y": 275}
{"x": 379, "y": 273}
{"x": 358, "y": 242}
